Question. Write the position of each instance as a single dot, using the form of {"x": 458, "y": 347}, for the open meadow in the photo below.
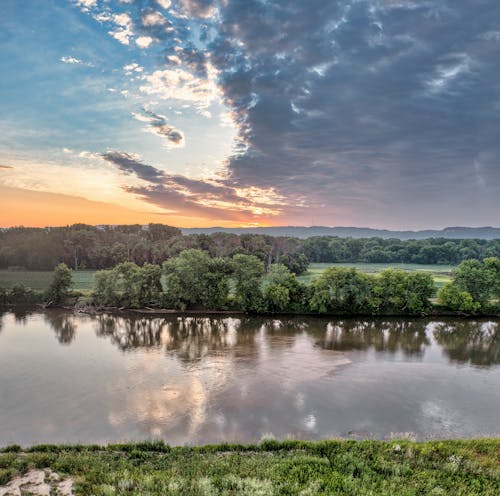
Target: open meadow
{"x": 440, "y": 273}
{"x": 83, "y": 279}
{"x": 40, "y": 279}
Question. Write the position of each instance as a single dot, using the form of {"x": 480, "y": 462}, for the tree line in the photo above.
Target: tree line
{"x": 89, "y": 247}
{"x": 193, "y": 280}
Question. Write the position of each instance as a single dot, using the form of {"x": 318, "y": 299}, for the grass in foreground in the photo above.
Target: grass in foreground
{"x": 401, "y": 468}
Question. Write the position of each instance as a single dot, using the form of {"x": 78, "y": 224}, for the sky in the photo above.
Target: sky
{"x": 376, "y": 113}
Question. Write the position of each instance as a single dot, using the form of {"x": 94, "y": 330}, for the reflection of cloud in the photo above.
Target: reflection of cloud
{"x": 181, "y": 404}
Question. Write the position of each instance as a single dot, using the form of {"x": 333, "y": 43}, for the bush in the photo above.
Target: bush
{"x": 60, "y": 285}
{"x": 450, "y": 296}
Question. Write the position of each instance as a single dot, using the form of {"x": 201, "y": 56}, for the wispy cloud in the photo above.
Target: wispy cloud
{"x": 158, "y": 125}
{"x": 203, "y": 197}
{"x": 130, "y": 165}
{"x": 66, "y": 59}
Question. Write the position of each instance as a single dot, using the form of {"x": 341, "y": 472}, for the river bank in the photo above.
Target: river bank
{"x": 460, "y": 467}
{"x": 436, "y": 312}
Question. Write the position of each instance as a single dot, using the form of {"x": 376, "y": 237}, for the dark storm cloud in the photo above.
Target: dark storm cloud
{"x": 371, "y": 101}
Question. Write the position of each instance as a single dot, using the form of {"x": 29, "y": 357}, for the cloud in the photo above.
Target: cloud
{"x": 165, "y": 4}
{"x": 86, "y": 5}
{"x": 210, "y": 198}
{"x": 158, "y": 125}
{"x": 74, "y": 61}
{"x": 5, "y": 167}
{"x": 362, "y": 107}
{"x": 132, "y": 67}
{"x": 180, "y": 84}
{"x": 124, "y": 30}
{"x": 152, "y": 18}
{"x": 353, "y": 109}
{"x": 143, "y": 41}
{"x": 70, "y": 60}
{"x": 199, "y": 8}
{"x": 129, "y": 164}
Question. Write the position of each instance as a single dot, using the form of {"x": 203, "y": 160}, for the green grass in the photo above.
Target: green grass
{"x": 440, "y": 273}
{"x": 83, "y": 279}
{"x": 400, "y": 468}
{"x": 40, "y": 280}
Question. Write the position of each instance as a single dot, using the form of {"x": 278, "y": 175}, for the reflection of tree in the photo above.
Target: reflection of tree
{"x": 63, "y": 325}
{"x": 192, "y": 338}
{"x": 131, "y": 332}
{"x": 21, "y": 314}
{"x": 467, "y": 341}
{"x": 391, "y": 336}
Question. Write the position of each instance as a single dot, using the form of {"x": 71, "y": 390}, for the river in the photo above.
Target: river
{"x": 196, "y": 380}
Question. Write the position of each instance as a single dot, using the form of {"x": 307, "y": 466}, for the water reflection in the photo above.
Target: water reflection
{"x": 64, "y": 325}
{"x": 128, "y": 333}
{"x": 407, "y": 336}
{"x": 466, "y": 341}
{"x": 204, "y": 379}
{"x": 193, "y": 338}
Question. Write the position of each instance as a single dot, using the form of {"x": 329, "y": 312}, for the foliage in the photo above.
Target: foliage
{"x": 450, "y": 296}
{"x": 19, "y": 294}
{"x": 294, "y": 468}
{"x": 282, "y": 291}
{"x": 129, "y": 286}
{"x": 82, "y": 246}
{"x": 194, "y": 279}
{"x": 474, "y": 284}
{"x": 341, "y": 290}
{"x": 401, "y": 292}
{"x": 247, "y": 271}
{"x": 60, "y": 285}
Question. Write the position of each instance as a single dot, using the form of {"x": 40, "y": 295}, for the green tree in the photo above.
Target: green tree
{"x": 247, "y": 272}
{"x": 150, "y": 288}
{"x": 193, "y": 279}
{"x": 478, "y": 279}
{"x": 451, "y": 297}
{"x": 341, "y": 290}
{"x": 399, "y": 291}
{"x": 60, "y": 285}
{"x": 282, "y": 290}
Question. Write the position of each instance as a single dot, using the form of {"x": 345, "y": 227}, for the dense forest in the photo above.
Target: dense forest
{"x": 88, "y": 247}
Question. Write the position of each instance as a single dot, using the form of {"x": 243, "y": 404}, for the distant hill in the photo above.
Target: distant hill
{"x": 355, "y": 232}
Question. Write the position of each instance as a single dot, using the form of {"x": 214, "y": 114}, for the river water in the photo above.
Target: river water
{"x": 196, "y": 380}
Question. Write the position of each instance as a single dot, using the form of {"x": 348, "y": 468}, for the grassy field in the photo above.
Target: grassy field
{"x": 440, "y": 273}
{"x": 400, "y": 468}
{"x": 82, "y": 279}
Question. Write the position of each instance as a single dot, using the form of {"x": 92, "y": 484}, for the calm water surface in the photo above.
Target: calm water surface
{"x": 78, "y": 378}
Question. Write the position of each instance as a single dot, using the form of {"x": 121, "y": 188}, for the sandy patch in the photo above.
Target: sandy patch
{"x": 38, "y": 483}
